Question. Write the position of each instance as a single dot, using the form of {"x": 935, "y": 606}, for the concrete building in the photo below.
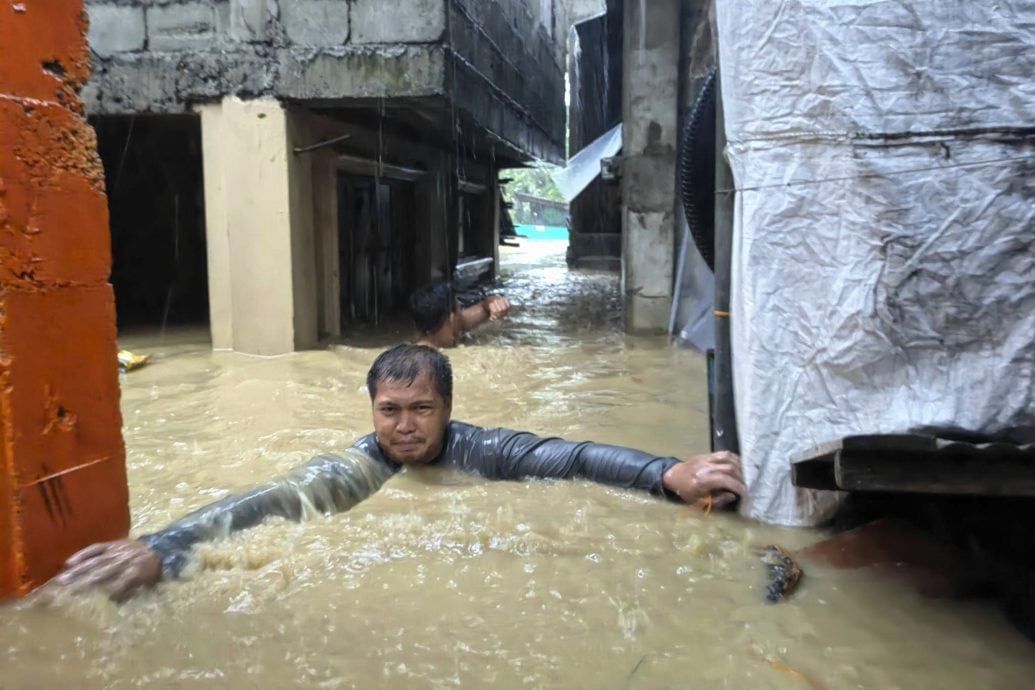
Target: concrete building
{"x": 290, "y": 169}
{"x": 641, "y": 64}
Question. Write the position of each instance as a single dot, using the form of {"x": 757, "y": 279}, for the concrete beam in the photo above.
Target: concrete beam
{"x": 149, "y": 82}
{"x": 363, "y": 72}
{"x": 170, "y": 82}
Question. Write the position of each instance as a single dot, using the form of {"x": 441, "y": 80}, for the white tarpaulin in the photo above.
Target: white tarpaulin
{"x": 884, "y": 240}
{"x": 692, "y": 319}
{"x": 584, "y": 166}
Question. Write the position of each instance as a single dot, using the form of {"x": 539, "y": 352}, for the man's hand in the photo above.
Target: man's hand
{"x": 117, "y": 567}
{"x": 497, "y": 306}
{"x": 714, "y": 477}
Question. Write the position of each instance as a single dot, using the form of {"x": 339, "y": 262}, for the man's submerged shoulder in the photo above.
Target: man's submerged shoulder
{"x": 368, "y": 446}
{"x": 464, "y": 427}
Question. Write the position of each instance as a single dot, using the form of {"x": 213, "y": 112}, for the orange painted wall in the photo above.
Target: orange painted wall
{"x": 62, "y": 461}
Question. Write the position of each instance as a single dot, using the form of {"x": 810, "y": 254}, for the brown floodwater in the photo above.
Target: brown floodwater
{"x": 443, "y": 580}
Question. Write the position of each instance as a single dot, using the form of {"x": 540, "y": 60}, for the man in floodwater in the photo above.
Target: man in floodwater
{"x": 411, "y": 390}
{"x": 440, "y": 319}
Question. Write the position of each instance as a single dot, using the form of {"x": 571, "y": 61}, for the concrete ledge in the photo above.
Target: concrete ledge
{"x": 171, "y": 83}
{"x": 415, "y": 70}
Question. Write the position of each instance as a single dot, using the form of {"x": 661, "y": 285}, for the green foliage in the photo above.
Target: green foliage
{"x": 532, "y": 181}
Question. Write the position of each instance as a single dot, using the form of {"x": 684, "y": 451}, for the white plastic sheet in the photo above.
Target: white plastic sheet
{"x": 692, "y": 319}
{"x": 884, "y": 240}
{"x": 584, "y": 166}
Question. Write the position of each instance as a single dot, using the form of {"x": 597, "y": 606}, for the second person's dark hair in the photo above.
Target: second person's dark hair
{"x": 431, "y": 306}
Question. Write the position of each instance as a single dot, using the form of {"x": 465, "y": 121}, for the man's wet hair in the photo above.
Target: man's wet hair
{"x": 406, "y": 363}
{"x": 431, "y": 306}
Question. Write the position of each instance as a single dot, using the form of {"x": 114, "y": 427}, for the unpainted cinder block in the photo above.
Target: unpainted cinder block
{"x": 116, "y": 29}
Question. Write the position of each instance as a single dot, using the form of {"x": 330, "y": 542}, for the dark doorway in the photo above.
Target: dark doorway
{"x": 377, "y": 237}
{"x": 153, "y": 175}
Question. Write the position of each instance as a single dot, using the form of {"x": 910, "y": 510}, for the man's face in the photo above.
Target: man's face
{"x": 410, "y": 420}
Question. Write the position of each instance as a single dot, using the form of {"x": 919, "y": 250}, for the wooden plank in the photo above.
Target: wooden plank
{"x": 975, "y": 474}
{"x": 898, "y": 443}
{"x": 891, "y": 442}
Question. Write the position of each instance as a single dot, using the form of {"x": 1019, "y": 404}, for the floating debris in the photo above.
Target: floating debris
{"x": 784, "y": 573}
{"x": 129, "y": 361}
{"x": 793, "y": 672}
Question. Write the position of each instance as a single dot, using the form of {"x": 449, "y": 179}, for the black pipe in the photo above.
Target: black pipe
{"x": 702, "y": 170}
{"x": 724, "y": 429}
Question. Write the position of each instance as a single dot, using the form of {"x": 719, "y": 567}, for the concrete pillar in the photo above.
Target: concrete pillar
{"x": 217, "y": 235}
{"x": 301, "y": 209}
{"x": 650, "y": 97}
{"x": 259, "y": 225}
{"x": 62, "y": 462}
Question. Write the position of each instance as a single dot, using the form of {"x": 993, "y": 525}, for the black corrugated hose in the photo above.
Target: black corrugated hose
{"x": 697, "y": 170}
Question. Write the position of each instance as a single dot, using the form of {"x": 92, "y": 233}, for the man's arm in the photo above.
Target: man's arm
{"x": 493, "y": 307}
{"x": 506, "y": 454}
{"x": 328, "y": 483}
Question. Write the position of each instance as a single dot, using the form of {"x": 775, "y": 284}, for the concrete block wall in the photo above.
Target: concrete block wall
{"x": 506, "y": 50}
{"x": 62, "y": 461}
{"x": 188, "y": 26}
{"x": 163, "y": 56}
{"x": 316, "y": 22}
{"x": 408, "y": 21}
